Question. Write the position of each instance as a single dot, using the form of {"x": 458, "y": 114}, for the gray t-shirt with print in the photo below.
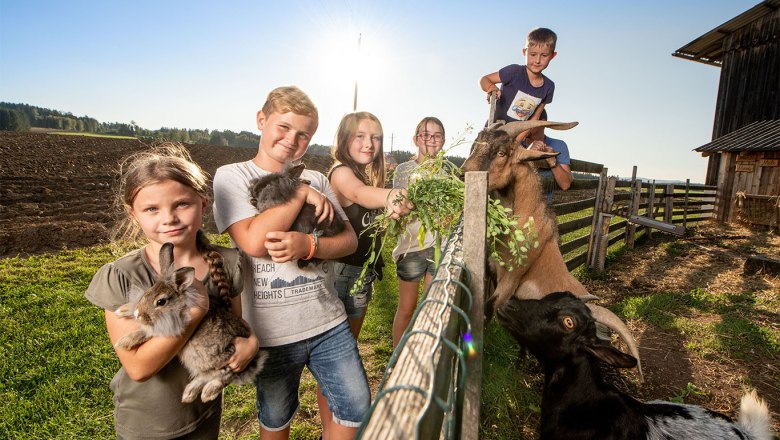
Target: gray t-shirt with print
{"x": 286, "y": 303}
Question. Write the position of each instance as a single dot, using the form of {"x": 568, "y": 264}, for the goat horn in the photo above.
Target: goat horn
{"x": 517, "y": 127}
{"x": 606, "y": 317}
{"x": 495, "y": 125}
{"x": 588, "y": 297}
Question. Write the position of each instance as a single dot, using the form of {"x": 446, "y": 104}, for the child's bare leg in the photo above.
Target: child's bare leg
{"x": 408, "y": 292}
{"x": 284, "y": 434}
{"x": 326, "y": 417}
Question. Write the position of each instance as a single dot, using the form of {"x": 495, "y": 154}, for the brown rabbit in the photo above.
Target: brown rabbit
{"x": 163, "y": 311}
{"x": 275, "y": 189}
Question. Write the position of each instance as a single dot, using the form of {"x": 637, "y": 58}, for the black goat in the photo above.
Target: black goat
{"x": 560, "y": 332}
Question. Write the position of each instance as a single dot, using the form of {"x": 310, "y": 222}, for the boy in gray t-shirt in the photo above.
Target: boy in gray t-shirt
{"x": 294, "y": 311}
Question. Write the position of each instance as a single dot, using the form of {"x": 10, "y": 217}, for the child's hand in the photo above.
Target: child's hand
{"x": 323, "y": 209}
{"x": 246, "y": 349}
{"x": 491, "y": 90}
{"x": 286, "y": 246}
{"x": 397, "y": 204}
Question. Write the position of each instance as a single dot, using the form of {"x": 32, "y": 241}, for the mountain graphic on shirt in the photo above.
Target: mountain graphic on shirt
{"x": 299, "y": 280}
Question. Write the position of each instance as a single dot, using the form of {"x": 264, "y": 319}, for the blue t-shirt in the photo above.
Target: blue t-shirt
{"x": 519, "y": 98}
{"x": 548, "y": 180}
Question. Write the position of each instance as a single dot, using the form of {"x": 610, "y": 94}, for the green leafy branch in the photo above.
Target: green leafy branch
{"x": 438, "y": 194}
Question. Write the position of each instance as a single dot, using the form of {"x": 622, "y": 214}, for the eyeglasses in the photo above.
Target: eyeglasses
{"x": 427, "y": 136}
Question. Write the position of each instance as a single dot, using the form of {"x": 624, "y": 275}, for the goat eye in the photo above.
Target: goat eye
{"x": 161, "y": 302}
{"x": 568, "y": 322}
{"x": 501, "y": 154}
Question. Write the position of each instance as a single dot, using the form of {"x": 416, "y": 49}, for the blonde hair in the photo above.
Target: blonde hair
{"x": 165, "y": 161}
{"x": 541, "y": 36}
{"x": 290, "y": 99}
{"x": 374, "y": 173}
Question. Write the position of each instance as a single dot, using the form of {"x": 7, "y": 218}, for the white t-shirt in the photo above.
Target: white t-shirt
{"x": 282, "y": 302}
{"x": 408, "y": 242}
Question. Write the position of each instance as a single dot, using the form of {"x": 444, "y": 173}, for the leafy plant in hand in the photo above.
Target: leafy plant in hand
{"x": 438, "y": 194}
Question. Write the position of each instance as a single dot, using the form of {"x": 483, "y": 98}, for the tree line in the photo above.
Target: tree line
{"x": 23, "y": 117}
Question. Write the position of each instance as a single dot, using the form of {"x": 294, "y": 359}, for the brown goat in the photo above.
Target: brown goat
{"x": 512, "y": 177}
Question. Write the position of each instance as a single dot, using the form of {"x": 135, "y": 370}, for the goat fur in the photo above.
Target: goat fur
{"x": 513, "y": 178}
{"x": 577, "y": 403}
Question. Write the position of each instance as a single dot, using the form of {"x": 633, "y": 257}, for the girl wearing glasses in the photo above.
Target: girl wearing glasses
{"x": 414, "y": 263}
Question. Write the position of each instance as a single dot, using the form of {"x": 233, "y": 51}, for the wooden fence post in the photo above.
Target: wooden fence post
{"x": 685, "y": 209}
{"x": 650, "y": 213}
{"x": 601, "y": 232}
{"x": 475, "y": 258}
{"x": 669, "y": 205}
{"x": 633, "y": 209}
{"x": 596, "y": 210}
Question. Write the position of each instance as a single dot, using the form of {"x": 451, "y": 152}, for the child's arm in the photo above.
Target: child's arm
{"x": 287, "y": 246}
{"x": 349, "y": 188}
{"x": 145, "y": 360}
{"x": 246, "y": 348}
{"x": 488, "y": 84}
{"x": 251, "y": 234}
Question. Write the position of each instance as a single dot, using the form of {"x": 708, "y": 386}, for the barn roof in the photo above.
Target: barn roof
{"x": 758, "y": 136}
{"x": 708, "y": 48}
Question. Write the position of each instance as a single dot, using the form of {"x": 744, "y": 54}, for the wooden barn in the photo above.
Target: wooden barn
{"x": 745, "y": 148}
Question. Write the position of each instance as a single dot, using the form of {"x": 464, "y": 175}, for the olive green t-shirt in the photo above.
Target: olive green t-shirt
{"x": 153, "y": 409}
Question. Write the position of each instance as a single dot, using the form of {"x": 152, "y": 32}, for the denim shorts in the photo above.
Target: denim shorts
{"x": 334, "y": 361}
{"x": 346, "y": 275}
{"x": 413, "y": 265}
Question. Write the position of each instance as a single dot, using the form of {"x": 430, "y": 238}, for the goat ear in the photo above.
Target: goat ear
{"x": 612, "y": 356}
{"x": 525, "y": 155}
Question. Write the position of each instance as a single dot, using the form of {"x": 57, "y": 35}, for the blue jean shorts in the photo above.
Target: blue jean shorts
{"x": 357, "y": 304}
{"x": 334, "y": 361}
{"x": 413, "y": 265}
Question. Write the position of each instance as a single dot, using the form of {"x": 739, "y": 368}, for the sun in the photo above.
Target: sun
{"x": 352, "y": 59}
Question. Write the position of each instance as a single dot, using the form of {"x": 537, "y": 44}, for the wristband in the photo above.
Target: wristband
{"x": 312, "y": 247}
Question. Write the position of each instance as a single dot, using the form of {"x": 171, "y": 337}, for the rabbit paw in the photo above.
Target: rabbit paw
{"x": 211, "y": 391}
{"x": 124, "y": 311}
{"x": 190, "y": 394}
{"x": 131, "y": 340}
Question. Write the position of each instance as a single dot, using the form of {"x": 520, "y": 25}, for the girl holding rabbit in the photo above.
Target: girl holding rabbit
{"x": 163, "y": 196}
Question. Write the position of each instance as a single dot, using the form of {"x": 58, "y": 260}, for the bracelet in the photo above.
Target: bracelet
{"x": 312, "y": 248}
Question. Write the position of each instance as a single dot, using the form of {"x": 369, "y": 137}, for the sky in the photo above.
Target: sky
{"x": 197, "y": 64}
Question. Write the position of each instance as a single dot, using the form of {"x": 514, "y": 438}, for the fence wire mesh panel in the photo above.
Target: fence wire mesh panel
{"x": 421, "y": 394}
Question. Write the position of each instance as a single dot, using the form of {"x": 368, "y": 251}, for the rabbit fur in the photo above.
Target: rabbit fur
{"x": 163, "y": 310}
{"x": 276, "y": 189}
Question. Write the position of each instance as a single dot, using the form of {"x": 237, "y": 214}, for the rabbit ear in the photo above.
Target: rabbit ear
{"x": 183, "y": 277}
{"x": 296, "y": 170}
{"x": 166, "y": 258}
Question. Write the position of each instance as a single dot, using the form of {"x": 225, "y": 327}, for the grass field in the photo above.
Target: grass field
{"x": 56, "y": 361}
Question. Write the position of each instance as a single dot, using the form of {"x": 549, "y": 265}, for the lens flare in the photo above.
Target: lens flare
{"x": 469, "y": 343}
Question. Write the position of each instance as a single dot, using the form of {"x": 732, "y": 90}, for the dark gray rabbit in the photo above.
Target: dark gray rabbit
{"x": 275, "y": 189}
{"x": 163, "y": 310}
